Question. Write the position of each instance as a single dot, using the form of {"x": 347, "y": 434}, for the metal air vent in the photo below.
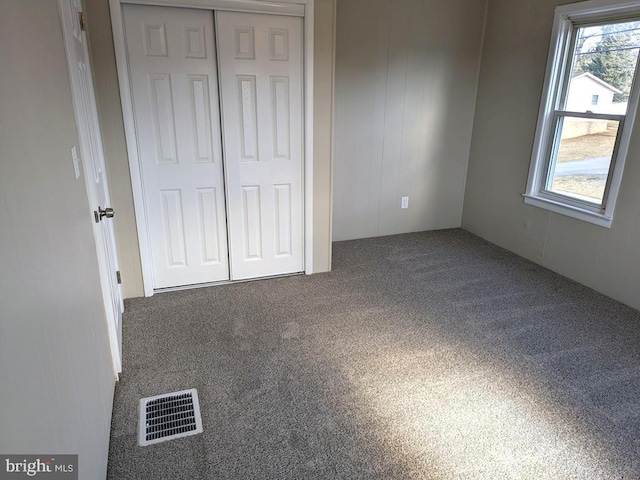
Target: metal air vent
{"x": 169, "y": 416}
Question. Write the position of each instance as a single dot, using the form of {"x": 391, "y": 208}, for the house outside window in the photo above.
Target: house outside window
{"x": 587, "y": 110}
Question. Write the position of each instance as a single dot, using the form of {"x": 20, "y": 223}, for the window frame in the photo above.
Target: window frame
{"x": 567, "y": 19}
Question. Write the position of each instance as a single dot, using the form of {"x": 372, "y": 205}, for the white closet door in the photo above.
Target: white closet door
{"x": 174, "y": 81}
{"x": 260, "y": 63}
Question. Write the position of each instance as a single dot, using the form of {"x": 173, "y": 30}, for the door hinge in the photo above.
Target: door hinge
{"x": 82, "y": 20}
{"x": 118, "y": 277}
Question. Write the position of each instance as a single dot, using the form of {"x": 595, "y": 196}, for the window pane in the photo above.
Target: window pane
{"x": 603, "y": 66}
{"x": 583, "y": 158}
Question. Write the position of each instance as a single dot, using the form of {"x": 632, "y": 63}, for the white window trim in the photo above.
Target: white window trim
{"x": 566, "y": 17}
{"x": 303, "y": 8}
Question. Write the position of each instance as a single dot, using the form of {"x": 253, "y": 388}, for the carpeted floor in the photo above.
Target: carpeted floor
{"x": 432, "y": 355}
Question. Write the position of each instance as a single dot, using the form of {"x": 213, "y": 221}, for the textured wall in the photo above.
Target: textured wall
{"x": 511, "y": 78}
{"x": 56, "y": 374}
{"x": 406, "y": 78}
{"x": 107, "y": 91}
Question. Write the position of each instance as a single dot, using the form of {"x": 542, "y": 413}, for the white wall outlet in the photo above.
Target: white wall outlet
{"x": 76, "y": 162}
{"x": 405, "y": 202}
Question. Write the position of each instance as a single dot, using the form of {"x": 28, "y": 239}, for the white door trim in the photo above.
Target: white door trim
{"x": 282, "y": 7}
{"x": 266, "y": 6}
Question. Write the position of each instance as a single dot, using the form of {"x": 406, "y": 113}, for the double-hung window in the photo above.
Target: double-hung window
{"x": 587, "y": 110}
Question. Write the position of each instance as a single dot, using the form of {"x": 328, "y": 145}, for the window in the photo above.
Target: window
{"x": 582, "y": 138}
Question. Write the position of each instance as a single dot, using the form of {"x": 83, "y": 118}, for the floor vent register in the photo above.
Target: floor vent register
{"x": 169, "y": 416}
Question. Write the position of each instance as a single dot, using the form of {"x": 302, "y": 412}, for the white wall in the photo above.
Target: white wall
{"x": 56, "y": 378}
{"x": 512, "y": 73}
{"x": 323, "y": 86}
{"x": 108, "y": 99}
{"x": 406, "y": 77}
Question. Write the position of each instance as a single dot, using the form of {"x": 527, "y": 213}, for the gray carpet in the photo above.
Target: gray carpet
{"x": 432, "y": 355}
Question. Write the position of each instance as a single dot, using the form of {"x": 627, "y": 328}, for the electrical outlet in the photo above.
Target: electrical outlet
{"x": 76, "y": 162}
{"x": 405, "y": 202}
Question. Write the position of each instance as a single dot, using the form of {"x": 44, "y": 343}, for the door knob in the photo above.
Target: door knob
{"x": 100, "y": 214}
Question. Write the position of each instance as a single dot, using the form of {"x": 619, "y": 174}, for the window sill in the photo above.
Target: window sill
{"x": 569, "y": 210}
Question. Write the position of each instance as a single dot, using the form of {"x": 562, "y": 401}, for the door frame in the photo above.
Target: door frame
{"x": 78, "y": 95}
{"x": 299, "y": 8}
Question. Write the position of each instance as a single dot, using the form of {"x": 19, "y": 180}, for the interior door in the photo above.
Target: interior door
{"x": 175, "y": 95}
{"x": 95, "y": 175}
{"x": 260, "y": 64}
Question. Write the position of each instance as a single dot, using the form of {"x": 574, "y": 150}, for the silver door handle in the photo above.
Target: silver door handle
{"x": 100, "y": 214}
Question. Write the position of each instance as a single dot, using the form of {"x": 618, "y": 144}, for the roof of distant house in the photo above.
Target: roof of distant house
{"x": 598, "y": 80}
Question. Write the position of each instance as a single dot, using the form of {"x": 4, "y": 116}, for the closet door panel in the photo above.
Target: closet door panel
{"x": 260, "y": 68}
{"x": 172, "y": 63}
